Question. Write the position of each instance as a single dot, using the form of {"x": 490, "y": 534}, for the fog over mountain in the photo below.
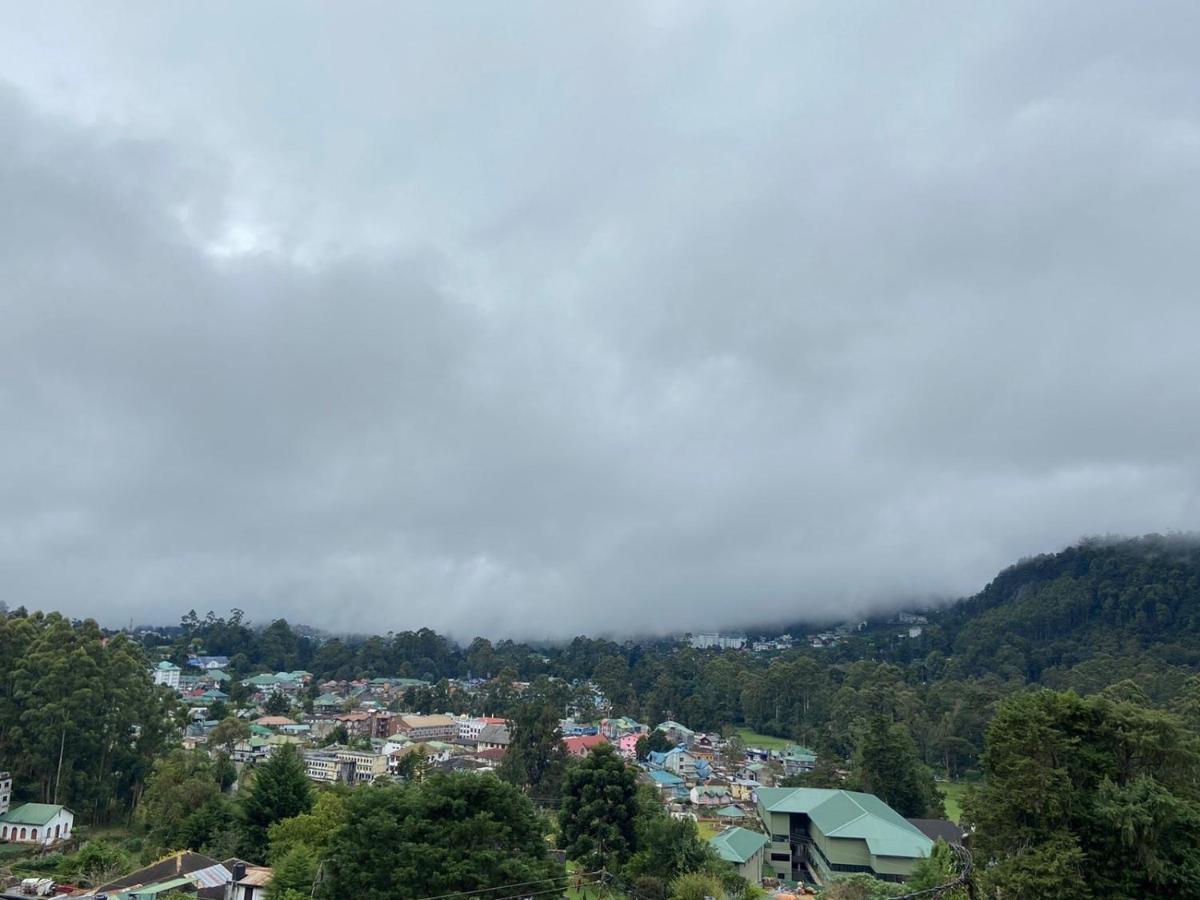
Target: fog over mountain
{"x": 534, "y": 319}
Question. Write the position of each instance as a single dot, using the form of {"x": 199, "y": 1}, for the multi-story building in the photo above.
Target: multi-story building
{"x": 428, "y": 728}
{"x": 339, "y": 764}
{"x": 167, "y": 673}
{"x": 817, "y": 834}
{"x": 712, "y": 640}
{"x": 5, "y": 792}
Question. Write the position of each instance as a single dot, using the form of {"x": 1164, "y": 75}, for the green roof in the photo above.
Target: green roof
{"x": 731, "y": 812}
{"x": 31, "y": 814}
{"x": 167, "y": 666}
{"x": 159, "y": 887}
{"x": 851, "y": 814}
{"x": 329, "y": 700}
{"x": 216, "y": 675}
{"x": 737, "y": 845}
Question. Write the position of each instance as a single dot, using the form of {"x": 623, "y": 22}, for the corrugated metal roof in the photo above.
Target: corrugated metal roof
{"x": 213, "y": 876}
{"x": 738, "y": 844}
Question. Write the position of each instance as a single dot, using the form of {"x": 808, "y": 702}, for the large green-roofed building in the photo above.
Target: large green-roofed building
{"x": 744, "y": 848}
{"x": 818, "y": 833}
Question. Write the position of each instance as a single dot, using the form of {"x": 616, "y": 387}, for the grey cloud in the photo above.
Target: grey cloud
{"x": 540, "y": 321}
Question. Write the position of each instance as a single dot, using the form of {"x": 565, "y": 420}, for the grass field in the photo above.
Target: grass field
{"x": 707, "y": 829}
{"x": 953, "y": 791}
{"x": 766, "y": 741}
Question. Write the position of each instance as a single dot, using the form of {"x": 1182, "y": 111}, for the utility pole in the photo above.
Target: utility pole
{"x": 61, "y": 747}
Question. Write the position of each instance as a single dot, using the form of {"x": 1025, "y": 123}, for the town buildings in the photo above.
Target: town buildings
{"x": 36, "y": 823}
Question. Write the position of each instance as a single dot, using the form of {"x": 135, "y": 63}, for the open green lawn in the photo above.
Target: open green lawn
{"x": 953, "y": 791}
{"x": 766, "y": 741}
{"x": 707, "y": 829}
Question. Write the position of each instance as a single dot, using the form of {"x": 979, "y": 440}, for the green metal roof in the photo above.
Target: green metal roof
{"x": 31, "y": 814}
{"x": 851, "y": 814}
{"x": 159, "y": 887}
{"x": 731, "y": 812}
{"x": 737, "y": 845}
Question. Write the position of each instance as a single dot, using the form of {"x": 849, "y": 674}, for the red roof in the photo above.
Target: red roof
{"x": 496, "y": 753}
{"x": 583, "y": 744}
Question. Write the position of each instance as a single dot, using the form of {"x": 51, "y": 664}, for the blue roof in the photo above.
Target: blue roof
{"x": 664, "y": 778}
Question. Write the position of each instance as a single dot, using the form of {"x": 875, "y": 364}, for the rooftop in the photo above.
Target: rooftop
{"x": 737, "y": 845}
{"x": 32, "y": 814}
{"x": 851, "y": 814}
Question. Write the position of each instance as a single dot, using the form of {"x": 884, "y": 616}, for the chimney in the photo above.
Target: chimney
{"x": 239, "y": 871}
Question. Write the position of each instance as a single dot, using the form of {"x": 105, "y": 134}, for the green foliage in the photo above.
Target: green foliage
{"x": 697, "y": 886}
{"x": 448, "y": 834}
{"x": 67, "y": 690}
{"x": 183, "y": 807}
{"x": 294, "y": 871}
{"x": 98, "y": 862}
{"x": 886, "y": 764}
{"x": 536, "y": 758}
{"x": 666, "y": 847}
{"x": 229, "y": 732}
{"x": 860, "y": 887}
{"x": 277, "y": 704}
{"x": 599, "y": 808}
{"x": 1113, "y": 787}
{"x": 313, "y": 830}
{"x": 280, "y": 790}
{"x": 941, "y": 867}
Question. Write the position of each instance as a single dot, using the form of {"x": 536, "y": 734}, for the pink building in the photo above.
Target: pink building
{"x": 627, "y": 745}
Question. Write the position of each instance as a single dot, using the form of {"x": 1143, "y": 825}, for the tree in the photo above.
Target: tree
{"x": 886, "y": 764}
{"x": 183, "y": 803}
{"x": 666, "y": 847}
{"x": 535, "y": 759}
{"x": 599, "y": 808}
{"x": 98, "y": 862}
{"x": 228, "y": 733}
{"x": 280, "y": 790}
{"x": 450, "y": 834}
{"x": 277, "y": 704}
{"x": 294, "y": 871}
{"x": 1102, "y": 793}
{"x": 314, "y": 829}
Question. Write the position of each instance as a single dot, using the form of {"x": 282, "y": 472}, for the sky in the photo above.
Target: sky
{"x": 538, "y": 319}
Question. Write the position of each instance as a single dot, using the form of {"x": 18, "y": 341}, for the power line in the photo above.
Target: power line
{"x": 504, "y": 887}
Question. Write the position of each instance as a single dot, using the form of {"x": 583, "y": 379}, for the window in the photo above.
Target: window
{"x": 781, "y": 857}
{"x": 779, "y": 838}
{"x": 34, "y": 835}
{"x": 22, "y": 834}
{"x": 4, "y": 833}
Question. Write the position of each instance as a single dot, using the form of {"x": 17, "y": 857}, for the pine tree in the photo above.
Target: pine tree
{"x": 279, "y": 791}
{"x": 599, "y": 809}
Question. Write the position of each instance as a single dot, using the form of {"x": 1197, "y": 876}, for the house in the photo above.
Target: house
{"x": 713, "y": 795}
{"x": 5, "y": 791}
{"x": 679, "y": 734}
{"x": 818, "y": 833}
{"x": 743, "y": 789}
{"x": 248, "y": 882}
{"x": 166, "y": 672}
{"x": 493, "y": 737}
{"x": 744, "y": 848}
{"x": 36, "y": 823}
{"x": 181, "y": 872}
{"x": 583, "y": 745}
{"x": 703, "y": 747}
{"x": 428, "y": 728}
{"x": 797, "y": 760}
{"x": 627, "y": 744}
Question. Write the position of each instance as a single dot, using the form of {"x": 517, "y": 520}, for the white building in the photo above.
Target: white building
{"x": 37, "y": 823}
{"x": 5, "y": 791}
{"x": 711, "y": 639}
{"x": 167, "y": 673}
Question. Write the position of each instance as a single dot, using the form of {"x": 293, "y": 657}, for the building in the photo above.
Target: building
{"x": 676, "y": 733}
{"x": 167, "y": 673}
{"x": 338, "y": 764}
{"x": 711, "y": 795}
{"x": 428, "y": 728}
{"x": 248, "y": 882}
{"x": 744, "y": 848}
{"x": 5, "y": 791}
{"x": 819, "y": 833}
{"x": 581, "y": 746}
{"x": 37, "y": 823}
{"x": 712, "y": 640}
{"x": 493, "y": 737}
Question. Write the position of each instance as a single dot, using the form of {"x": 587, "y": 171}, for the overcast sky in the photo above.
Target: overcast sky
{"x": 533, "y": 319}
